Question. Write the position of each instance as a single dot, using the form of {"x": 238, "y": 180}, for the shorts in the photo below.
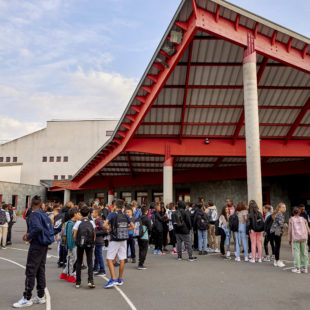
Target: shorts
{"x": 118, "y": 248}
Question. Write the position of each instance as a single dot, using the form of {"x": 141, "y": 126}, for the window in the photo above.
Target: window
{"x": 0, "y": 197}
{"x": 27, "y": 205}
{"x": 109, "y": 133}
{"x": 58, "y": 159}
{"x": 63, "y": 177}
{"x": 69, "y": 176}
{"x": 14, "y": 201}
{"x": 8, "y": 159}
{"x": 51, "y": 159}
{"x": 55, "y": 177}
{"x": 1, "y": 159}
{"x": 66, "y": 158}
{"x": 14, "y": 159}
{"x": 44, "y": 159}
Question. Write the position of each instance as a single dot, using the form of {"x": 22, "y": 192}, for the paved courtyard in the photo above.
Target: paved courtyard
{"x": 209, "y": 283}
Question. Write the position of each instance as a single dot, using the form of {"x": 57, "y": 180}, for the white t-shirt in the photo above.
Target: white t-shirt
{"x": 77, "y": 224}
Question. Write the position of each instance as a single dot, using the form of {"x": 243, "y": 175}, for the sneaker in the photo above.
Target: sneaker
{"x": 71, "y": 279}
{"x": 246, "y": 259}
{"x": 280, "y": 264}
{"x": 161, "y": 253}
{"x": 77, "y": 285}
{"x": 179, "y": 258}
{"x": 252, "y": 261}
{"x": 192, "y": 259}
{"x": 272, "y": 257}
{"x": 111, "y": 283}
{"x": 38, "y": 300}
{"x": 237, "y": 259}
{"x": 133, "y": 260}
{"x": 63, "y": 276}
{"x": 228, "y": 254}
{"x": 250, "y": 256}
{"x": 217, "y": 251}
{"x": 99, "y": 273}
{"x": 295, "y": 270}
{"x": 266, "y": 259}
{"x": 83, "y": 267}
{"x": 155, "y": 252}
{"x": 259, "y": 260}
{"x": 23, "y": 303}
{"x": 173, "y": 252}
{"x": 91, "y": 285}
{"x": 303, "y": 270}
{"x": 200, "y": 253}
{"x": 275, "y": 263}
{"x": 141, "y": 267}
{"x": 3, "y": 247}
{"x": 119, "y": 282}
{"x": 204, "y": 253}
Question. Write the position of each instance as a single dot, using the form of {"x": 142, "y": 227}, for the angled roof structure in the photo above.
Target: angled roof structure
{"x": 189, "y": 103}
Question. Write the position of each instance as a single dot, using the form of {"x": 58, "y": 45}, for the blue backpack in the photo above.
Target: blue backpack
{"x": 47, "y": 234}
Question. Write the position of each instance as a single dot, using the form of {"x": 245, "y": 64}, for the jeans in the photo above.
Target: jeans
{"x": 225, "y": 239}
{"x": 35, "y": 269}
{"x": 99, "y": 259}
{"x": 89, "y": 257}
{"x": 240, "y": 236}
{"x": 131, "y": 244}
{"x": 300, "y": 254}
{"x": 187, "y": 242}
{"x": 202, "y": 237}
{"x": 256, "y": 238}
{"x": 143, "y": 247}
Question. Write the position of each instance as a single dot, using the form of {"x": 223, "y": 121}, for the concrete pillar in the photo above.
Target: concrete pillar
{"x": 168, "y": 181}
{"x": 253, "y": 158}
{"x": 67, "y": 193}
{"x": 110, "y": 196}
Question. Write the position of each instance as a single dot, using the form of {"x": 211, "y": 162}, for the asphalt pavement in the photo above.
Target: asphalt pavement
{"x": 209, "y": 283}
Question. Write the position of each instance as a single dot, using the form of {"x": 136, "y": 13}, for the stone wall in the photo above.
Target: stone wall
{"x": 8, "y": 189}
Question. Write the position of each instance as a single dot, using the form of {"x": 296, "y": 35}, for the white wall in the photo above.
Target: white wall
{"x": 10, "y": 173}
{"x": 78, "y": 140}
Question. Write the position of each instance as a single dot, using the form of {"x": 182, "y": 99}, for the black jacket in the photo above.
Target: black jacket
{"x": 200, "y": 214}
{"x": 158, "y": 221}
{"x": 146, "y": 222}
{"x": 101, "y": 232}
{"x": 185, "y": 230}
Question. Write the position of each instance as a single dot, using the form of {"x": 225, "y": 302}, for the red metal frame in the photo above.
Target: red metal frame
{"x": 235, "y": 87}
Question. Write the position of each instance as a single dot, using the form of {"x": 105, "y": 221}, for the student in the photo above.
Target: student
{"x": 182, "y": 225}
{"x": 101, "y": 233}
{"x": 240, "y": 235}
{"x": 171, "y": 210}
{"x": 131, "y": 241}
{"x": 157, "y": 229}
{"x": 163, "y": 212}
{"x": 267, "y": 238}
{"x": 212, "y": 238}
{"x": 4, "y": 224}
{"x": 36, "y": 258}
{"x": 84, "y": 235}
{"x": 13, "y": 220}
{"x": 143, "y": 241}
{"x": 303, "y": 213}
{"x": 70, "y": 246}
{"x": 230, "y": 206}
{"x": 257, "y": 226}
{"x": 225, "y": 232}
{"x": 276, "y": 232}
{"x": 202, "y": 225}
{"x": 118, "y": 244}
{"x": 298, "y": 232}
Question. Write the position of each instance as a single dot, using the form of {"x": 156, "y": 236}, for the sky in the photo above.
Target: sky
{"x": 81, "y": 59}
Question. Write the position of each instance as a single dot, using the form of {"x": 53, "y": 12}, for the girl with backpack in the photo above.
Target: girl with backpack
{"x": 225, "y": 231}
{"x": 256, "y": 231}
{"x": 202, "y": 225}
{"x": 298, "y": 232}
{"x": 240, "y": 235}
{"x": 276, "y": 232}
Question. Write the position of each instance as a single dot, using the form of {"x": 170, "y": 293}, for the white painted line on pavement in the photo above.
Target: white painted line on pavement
{"x": 47, "y": 293}
{"x": 287, "y": 268}
{"x": 129, "y": 302}
{"x": 48, "y": 255}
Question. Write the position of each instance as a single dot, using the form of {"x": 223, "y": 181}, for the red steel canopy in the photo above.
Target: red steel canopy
{"x": 189, "y": 103}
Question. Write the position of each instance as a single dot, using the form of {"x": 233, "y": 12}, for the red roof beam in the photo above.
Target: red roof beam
{"x": 182, "y": 25}
{"x": 298, "y": 120}
{"x": 217, "y": 13}
{"x": 152, "y": 77}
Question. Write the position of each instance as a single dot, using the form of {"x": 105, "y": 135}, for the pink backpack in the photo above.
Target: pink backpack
{"x": 299, "y": 229}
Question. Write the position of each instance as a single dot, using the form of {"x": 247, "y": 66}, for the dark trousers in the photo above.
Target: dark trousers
{"x": 172, "y": 238}
{"x": 195, "y": 239}
{"x": 222, "y": 243}
{"x": 266, "y": 241}
{"x": 158, "y": 240}
{"x": 99, "y": 264}
{"x": 9, "y": 236}
{"x": 143, "y": 247}
{"x": 35, "y": 269}
{"x": 131, "y": 244}
{"x": 89, "y": 258}
{"x": 165, "y": 235}
{"x": 62, "y": 254}
{"x": 277, "y": 245}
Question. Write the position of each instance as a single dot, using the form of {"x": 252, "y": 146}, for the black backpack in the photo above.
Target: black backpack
{"x": 234, "y": 223}
{"x": 138, "y": 230}
{"x": 268, "y": 224}
{"x": 120, "y": 227}
{"x": 85, "y": 237}
{"x": 3, "y": 219}
{"x": 202, "y": 225}
{"x": 177, "y": 219}
{"x": 258, "y": 222}
{"x": 59, "y": 220}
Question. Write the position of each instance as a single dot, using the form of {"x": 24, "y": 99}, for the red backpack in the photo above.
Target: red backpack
{"x": 299, "y": 229}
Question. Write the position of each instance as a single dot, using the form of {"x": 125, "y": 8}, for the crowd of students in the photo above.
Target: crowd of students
{"x": 84, "y": 231}
{"x": 7, "y": 220}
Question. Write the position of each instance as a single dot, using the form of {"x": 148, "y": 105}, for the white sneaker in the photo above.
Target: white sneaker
{"x": 228, "y": 254}
{"x": 217, "y": 251}
{"x": 237, "y": 259}
{"x": 295, "y": 270}
{"x": 246, "y": 259}
{"x": 38, "y": 300}
{"x": 252, "y": 261}
{"x": 23, "y": 303}
{"x": 275, "y": 263}
{"x": 280, "y": 264}
{"x": 259, "y": 260}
